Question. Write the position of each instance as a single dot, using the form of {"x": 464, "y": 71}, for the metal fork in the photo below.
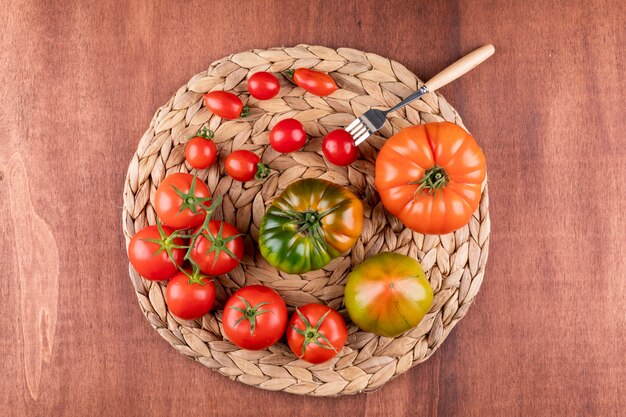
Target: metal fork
{"x": 372, "y": 120}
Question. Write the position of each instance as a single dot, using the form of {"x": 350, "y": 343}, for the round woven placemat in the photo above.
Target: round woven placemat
{"x": 454, "y": 262}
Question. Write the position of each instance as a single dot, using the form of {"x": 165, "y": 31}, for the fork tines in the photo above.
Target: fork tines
{"x": 360, "y": 130}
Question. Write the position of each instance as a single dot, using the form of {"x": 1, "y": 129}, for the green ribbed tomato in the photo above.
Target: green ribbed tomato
{"x": 388, "y": 294}
{"x": 312, "y": 222}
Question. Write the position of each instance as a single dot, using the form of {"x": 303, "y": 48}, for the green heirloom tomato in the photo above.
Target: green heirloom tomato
{"x": 388, "y": 294}
{"x": 312, "y": 222}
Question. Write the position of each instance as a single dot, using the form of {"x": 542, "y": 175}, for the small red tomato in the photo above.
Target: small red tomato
{"x": 314, "y": 82}
{"x": 150, "y": 249}
{"x": 255, "y": 317}
{"x": 316, "y": 333}
{"x": 189, "y": 296}
{"x": 200, "y": 150}
{"x": 224, "y": 104}
{"x": 181, "y": 201}
{"x": 339, "y": 148}
{"x": 263, "y": 85}
{"x": 219, "y": 249}
{"x": 245, "y": 166}
{"x": 288, "y": 136}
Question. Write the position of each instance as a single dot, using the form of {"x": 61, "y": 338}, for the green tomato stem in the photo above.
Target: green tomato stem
{"x": 433, "y": 181}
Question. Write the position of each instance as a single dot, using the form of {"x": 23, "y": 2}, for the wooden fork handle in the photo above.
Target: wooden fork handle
{"x": 460, "y": 67}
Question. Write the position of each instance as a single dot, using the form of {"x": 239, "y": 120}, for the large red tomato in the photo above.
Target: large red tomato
{"x": 219, "y": 249}
{"x": 255, "y": 317}
{"x": 152, "y": 249}
{"x": 316, "y": 333}
{"x": 430, "y": 177}
{"x": 189, "y": 295}
{"x": 181, "y": 201}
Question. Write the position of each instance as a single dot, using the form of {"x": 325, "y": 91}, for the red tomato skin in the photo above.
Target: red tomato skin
{"x": 269, "y": 326}
{"x": 201, "y": 153}
{"x": 223, "y": 104}
{"x": 315, "y": 82}
{"x": 263, "y": 85}
{"x": 189, "y": 301}
{"x": 288, "y": 136}
{"x": 225, "y": 263}
{"x": 154, "y": 267}
{"x": 167, "y": 202}
{"x": 242, "y": 165}
{"x": 339, "y": 149}
{"x": 333, "y": 327}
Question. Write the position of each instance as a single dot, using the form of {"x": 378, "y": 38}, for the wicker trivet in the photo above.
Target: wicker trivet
{"x": 454, "y": 263}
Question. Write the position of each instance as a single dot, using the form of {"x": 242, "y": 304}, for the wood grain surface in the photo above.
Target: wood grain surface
{"x": 80, "y": 82}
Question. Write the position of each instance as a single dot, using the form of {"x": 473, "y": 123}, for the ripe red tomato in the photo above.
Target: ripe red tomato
{"x": 255, "y": 317}
{"x": 288, "y": 136}
{"x": 314, "y": 82}
{"x": 338, "y": 147}
{"x": 180, "y": 201}
{"x": 263, "y": 85}
{"x": 200, "y": 150}
{"x": 245, "y": 166}
{"x": 224, "y": 104}
{"x": 316, "y": 333}
{"x": 150, "y": 250}
{"x": 219, "y": 249}
{"x": 189, "y": 296}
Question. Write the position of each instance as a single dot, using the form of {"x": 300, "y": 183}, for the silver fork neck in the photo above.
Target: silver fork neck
{"x": 419, "y": 93}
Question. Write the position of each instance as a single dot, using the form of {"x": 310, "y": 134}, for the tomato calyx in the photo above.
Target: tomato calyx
{"x": 309, "y": 221}
{"x": 219, "y": 243}
{"x": 289, "y": 73}
{"x": 311, "y": 334}
{"x": 203, "y": 230}
{"x": 262, "y": 171}
{"x": 245, "y": 111}
{"x": 190, "y": 200}
{"x": 433, "y": 181}
{"x": 165, "y": 242}
{"x": 250, "y": 313}
{"x": 197, "y": 277}
{"x": 205, "y": 133}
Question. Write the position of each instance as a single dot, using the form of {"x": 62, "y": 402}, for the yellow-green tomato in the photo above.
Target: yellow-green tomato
{"x": 388, "y": 294}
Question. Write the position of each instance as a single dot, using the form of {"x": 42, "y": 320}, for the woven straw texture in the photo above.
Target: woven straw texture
{"x": 454, "y": 262}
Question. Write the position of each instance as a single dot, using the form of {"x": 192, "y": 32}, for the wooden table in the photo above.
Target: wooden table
{"x": 80, "y": 82}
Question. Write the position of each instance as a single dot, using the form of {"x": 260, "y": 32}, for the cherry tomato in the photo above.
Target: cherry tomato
{"x": 339, "y": 148}
{"x": 150, "y": 249}
{"x": 224, "y": 104}
{"x": 314, "y": 82}
{"x": 219, "y": 249}
{"x": 189, "y": 296}
{"x": 263, "y": 85}
{"x": 180, "y": 201}
{"x": 316, "y": 333}
{"x": 255, "y": 317}
{"x": 200, "y": 150}
{"x": 288, "y": 136}
{"x": 245, "y": 166}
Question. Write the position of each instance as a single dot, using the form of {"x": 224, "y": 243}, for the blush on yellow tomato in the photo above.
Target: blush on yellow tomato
{"x": 388, "y": 294}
